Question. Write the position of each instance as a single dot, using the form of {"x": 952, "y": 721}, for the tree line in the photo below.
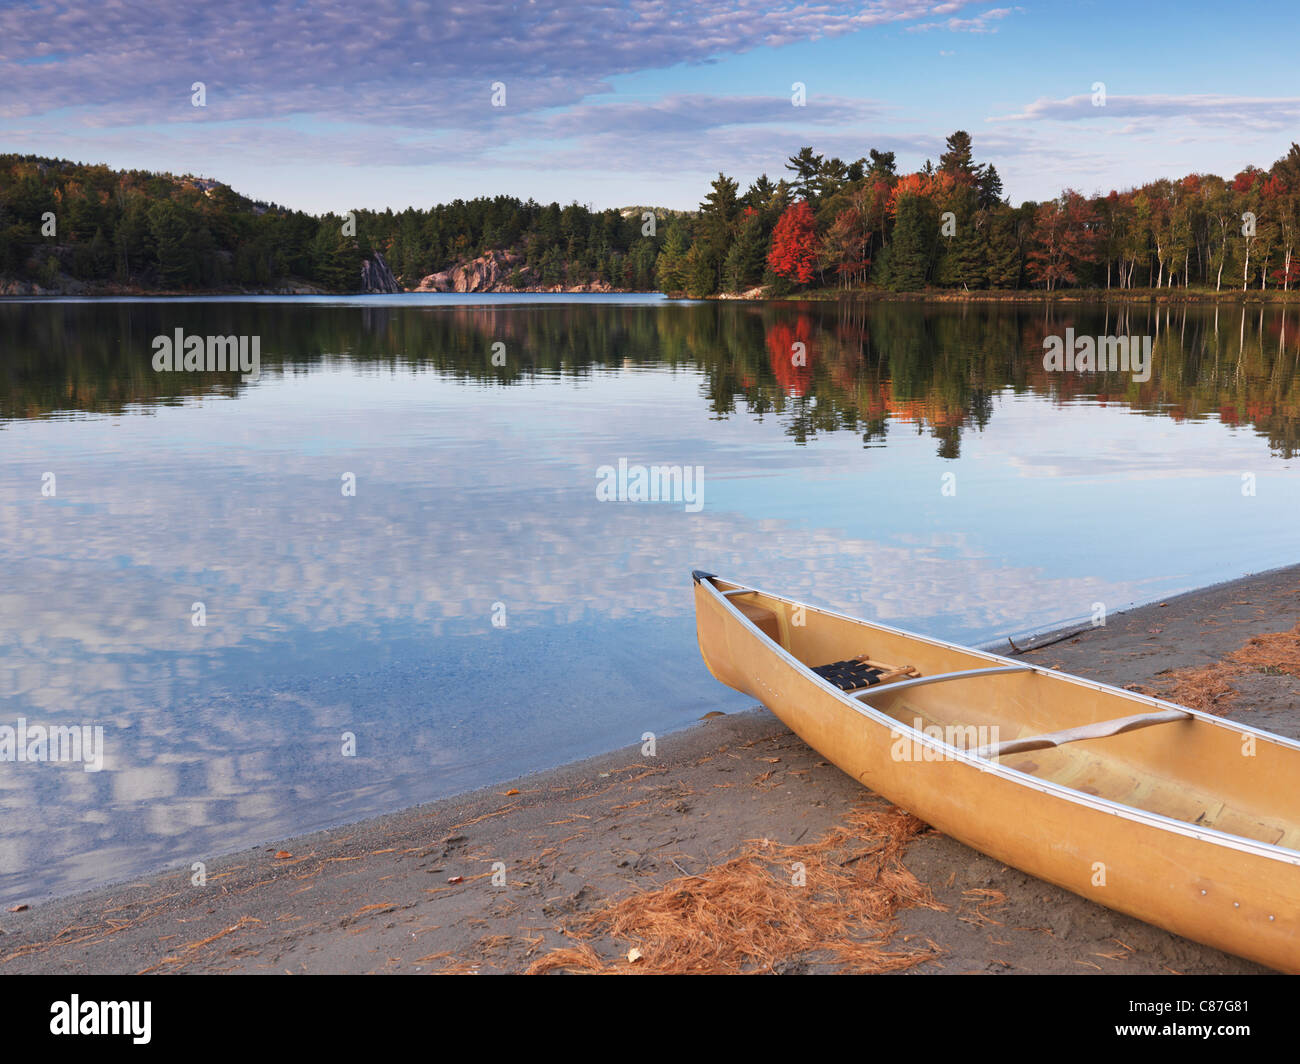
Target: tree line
{"x": 836, "y": 224}
{"x": 827, "y": 224}
{"x": 93, "y": 224}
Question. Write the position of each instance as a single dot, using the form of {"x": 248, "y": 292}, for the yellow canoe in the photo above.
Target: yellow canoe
{"x": 1179, "y": 818}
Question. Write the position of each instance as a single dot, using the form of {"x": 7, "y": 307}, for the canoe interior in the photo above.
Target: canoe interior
{"x": 1194, "y": 770}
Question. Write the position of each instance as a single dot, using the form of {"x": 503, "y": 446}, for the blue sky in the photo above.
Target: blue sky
{"x": 389, "y": 104}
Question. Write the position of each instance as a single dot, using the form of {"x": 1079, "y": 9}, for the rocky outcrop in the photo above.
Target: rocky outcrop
{"x": 377, "y": 277}
{"x": 499, "y": 271}
{"x": 66, "y": 286}
{"x": 22, "y": 288}
{"x": 487, "y": 273}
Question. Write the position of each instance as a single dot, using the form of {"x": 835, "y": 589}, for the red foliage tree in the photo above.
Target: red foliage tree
{"x": 1289, "y": 272}
{"x": 794, "y": 244}
{"x": 1065, "y": 237}
{"x": 1245, "y": 180}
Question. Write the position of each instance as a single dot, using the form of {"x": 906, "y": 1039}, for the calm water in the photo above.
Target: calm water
{"x": 476, "y": 500}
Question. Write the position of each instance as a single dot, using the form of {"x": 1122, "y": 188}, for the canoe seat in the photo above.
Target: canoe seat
{"x": 763, "y": 618}
{"x": 856, "y": 673}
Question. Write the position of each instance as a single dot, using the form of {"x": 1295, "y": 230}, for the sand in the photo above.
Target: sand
{"x": 495, "y": 880}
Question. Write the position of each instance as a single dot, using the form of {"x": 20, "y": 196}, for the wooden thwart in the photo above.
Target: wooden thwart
{"x": 1100, "y": 730}
{"x": 888, "y": 672}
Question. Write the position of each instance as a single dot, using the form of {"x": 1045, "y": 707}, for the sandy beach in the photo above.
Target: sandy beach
{"x": 501, "y": 879}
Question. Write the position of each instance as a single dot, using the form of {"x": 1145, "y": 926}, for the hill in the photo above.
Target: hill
{"x": 74, "y": 227}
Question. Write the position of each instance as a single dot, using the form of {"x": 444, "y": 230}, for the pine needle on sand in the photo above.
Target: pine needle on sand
{"x": 769, "y": 908}
{"x": 1209, "y": 687}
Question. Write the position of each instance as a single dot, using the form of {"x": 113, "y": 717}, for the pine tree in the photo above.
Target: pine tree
{"x": 718, "y": 214}
{"x": 1002, "y": 257}
{"x": 962, "y": 262}
{"x": 744, "y": 264}
{"x": 990, "y": 187}
{"x": 670, "y": 267}
{"x": 168, "y": 229}
{"x": 882, "y": 165}
{"x": 701, "y": 275}
{"x": 806, "y": 166}
{"x": 913, "y": 244}
{"x": 958, "y": 160}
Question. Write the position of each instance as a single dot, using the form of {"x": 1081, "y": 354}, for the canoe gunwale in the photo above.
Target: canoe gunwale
{"x": 1128, "y": 812}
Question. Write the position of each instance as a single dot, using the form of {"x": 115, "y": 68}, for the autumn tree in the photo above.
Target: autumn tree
{"x": 795, "y": 245}
{"x": 1064, "y": 240}
{"x": 844, "y": 249}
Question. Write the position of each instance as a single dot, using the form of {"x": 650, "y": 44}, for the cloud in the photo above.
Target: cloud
{"x": 697, "y": 131}
{"x": 977, "y": 24}
{"x": 686, "y": 112}
{"x": 423, "y": 64}
{"x": 705, "y": 133}
{"x": 1240, "y": 112}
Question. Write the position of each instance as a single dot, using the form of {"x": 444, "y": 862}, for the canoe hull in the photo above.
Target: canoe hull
{"x": 1240, "y": 902}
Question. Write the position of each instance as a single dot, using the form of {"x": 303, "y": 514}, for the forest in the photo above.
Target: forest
{"x": 823, "y": 225}
{"x": 948, "y": 226}
{"x": 96, "y": 225}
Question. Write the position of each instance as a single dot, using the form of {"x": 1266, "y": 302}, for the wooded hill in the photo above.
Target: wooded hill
{"x": 61, "y": 220}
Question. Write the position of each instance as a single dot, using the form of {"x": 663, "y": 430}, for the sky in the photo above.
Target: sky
{"x": 331, "y": 107}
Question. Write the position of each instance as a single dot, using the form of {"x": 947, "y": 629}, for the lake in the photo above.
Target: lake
{"x": 412, "y": 579}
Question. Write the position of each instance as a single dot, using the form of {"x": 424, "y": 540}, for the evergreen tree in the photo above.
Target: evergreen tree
{"x": 958, "y": 158}
{"x": 990, "y": 187}
{"x": 881, "y": 167}
{"x": 806, "y": 166}
{"x": 1002, "y": 255}
{"x": 167, "y": 227}
{"x": 717, "y": 221}
{"x": 913, "y": 246}
{"x": 962, "y": 263}
{"x": 745, "y": 261}
{"x": 670, "y": 268}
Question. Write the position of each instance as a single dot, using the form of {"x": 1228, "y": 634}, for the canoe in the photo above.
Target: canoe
{"x": 1176, "y": 817}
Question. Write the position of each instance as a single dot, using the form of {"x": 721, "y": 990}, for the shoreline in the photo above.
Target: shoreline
{"x": 1160, "y": 297}
{"x": 414, "y": 890}
{"x": 1252, "y": 297}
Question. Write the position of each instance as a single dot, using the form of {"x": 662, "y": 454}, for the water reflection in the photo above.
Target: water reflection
{"x": 865, "y": 366}
{"x": 372, "y": 615}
